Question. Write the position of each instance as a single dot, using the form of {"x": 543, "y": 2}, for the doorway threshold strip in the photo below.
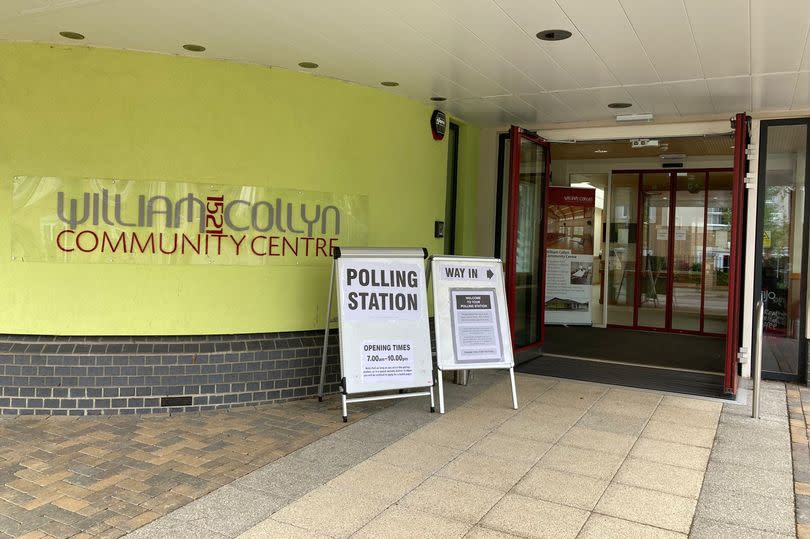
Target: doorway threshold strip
{"x": 661, "y": 367}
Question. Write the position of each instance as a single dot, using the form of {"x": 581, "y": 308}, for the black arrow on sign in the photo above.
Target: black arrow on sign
{"x": 489, "y": 274}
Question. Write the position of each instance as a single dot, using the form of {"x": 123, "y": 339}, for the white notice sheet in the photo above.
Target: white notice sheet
{"x": 476, "y": 335}
{"x": 387, "y": 361}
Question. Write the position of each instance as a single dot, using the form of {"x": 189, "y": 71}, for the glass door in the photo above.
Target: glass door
{"x": 782, "y": 250}
{"x": 652, "y": 299}
{"x": 528, "y": 166}
{"x": 668, "y": 270}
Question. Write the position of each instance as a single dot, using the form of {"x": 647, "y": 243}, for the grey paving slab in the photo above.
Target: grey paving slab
{"x": 753, "y": 455}
{"x": 747, "y": 479}
{"x": 170, "y": 528}
{"x": 704, "y": 528}
{"x": 229, "y": 511}
{"x": 753, "y": 434}
{"x": 749, "y": 510}
{"x": 288, "y": 478}
{"x": 339, "y": 451}
{"x": 373, "y": 432}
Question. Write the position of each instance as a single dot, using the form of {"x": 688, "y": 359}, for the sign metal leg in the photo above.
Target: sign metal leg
{"x": 326, "y": 335}
{"x": 345, "y": 409}
{"x": 514, "y": 389}
{"x": 440, "y": 380}
{"x": 432, "y": 401}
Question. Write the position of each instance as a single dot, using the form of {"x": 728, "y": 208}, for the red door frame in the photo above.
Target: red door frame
{"x": 516, "y": 136}
{"x": 735, "y": 292}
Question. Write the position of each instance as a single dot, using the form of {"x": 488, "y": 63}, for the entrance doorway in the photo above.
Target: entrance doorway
{"x": 668, "y": 269}
{"x": 661, "y": 276}
{"x": 782, "y": 246}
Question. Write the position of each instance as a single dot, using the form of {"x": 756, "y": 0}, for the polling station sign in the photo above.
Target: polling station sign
{"x": 383, "y": 319}
{"x": 382, "y": 291}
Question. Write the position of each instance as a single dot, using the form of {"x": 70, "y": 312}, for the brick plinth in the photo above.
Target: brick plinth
{"x": 126, "y": 375}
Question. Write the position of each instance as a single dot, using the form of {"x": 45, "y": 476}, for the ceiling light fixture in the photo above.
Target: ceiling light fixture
{"x": 620, "y": 105}
{"x": 553, "y": 35}
{"x": 438, "y": 98}
{"x": 193, "y": 48}
{"x": 645, "y": 117}
{"x": 389, "y": 83}
{"x": 71, "y": 35}
{"x": 307, "y": 65}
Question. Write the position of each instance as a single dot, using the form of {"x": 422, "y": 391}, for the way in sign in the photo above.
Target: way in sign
{"x": 453, "y": 272}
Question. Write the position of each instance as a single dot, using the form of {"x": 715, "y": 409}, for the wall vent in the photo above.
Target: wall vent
{"x": 175, "y": 401}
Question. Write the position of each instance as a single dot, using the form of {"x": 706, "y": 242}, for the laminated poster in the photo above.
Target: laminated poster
{"x": 569, "y": 256}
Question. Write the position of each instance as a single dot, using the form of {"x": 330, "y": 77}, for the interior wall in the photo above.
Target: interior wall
{"x": 97, "y": 113}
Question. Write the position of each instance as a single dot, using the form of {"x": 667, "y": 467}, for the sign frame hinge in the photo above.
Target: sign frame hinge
{"x": 743, "y": 355}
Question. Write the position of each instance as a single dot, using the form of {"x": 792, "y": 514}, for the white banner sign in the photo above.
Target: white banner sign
{"x": 470, "y": 316}
{"x": 383, "y": 318}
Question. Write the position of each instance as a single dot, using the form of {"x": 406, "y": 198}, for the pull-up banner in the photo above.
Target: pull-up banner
{"x": 89, "y": 220}
{"x": 569, "y": 255}
{"x": 383, "y": 319}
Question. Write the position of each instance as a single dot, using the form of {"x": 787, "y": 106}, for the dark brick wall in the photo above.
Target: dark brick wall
{"x": 127, "y": 375}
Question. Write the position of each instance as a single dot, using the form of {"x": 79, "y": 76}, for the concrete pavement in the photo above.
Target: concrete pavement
{"x": 576, "y": 460}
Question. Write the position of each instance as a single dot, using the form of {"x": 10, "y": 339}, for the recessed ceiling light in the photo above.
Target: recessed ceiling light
{"x": 600, "y": 151}
{"x": 71, "y": 35}
{"x": 307, "y": 65}
{"x": 620, "y": 105}
{"x": 553, "y": 35}
{"x": 389, "y": 83}
{"x": 193, "y": 48}
{"x": 438, "y": 98}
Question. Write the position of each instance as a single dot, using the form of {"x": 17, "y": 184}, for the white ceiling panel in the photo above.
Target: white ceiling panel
{"x": 653, "y": 98}
{"x": 778, "y": 34}
{"x": 575, "y": 55}
{"x": 517, "y": 107}
{"x": 490, "y": 24}
{"x": 607, "y": 29}
{"x": 592, "y": 103}
{"x": 480, "y": 111}
{"x": 731, "y": 94}
{"x": 801, "y": 98}
{"x": 691, "y": 96}
{"x": 668, "y": 57}
{"x": 721, "y": 32}
{"x": 773, "y": 92}
{"x": 381, "y": 27}
{"x": 584, "y": 105}
{"x": 435, "y": 25}
{"x": 665, "y": 33}
{"x": 550, "y": 107}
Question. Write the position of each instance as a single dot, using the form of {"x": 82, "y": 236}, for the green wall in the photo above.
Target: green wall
{"x": 82, "y": 112}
